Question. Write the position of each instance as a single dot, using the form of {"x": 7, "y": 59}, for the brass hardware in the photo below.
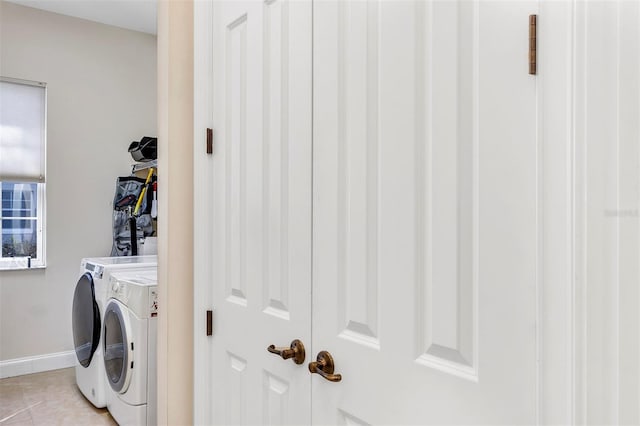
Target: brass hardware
{"x": 209, "y": 141}
{"x": 295, "y": 351}
{"x": 324, "y": 366}
{"x": 209, "y": 323}
{"x": 533, "y": 56}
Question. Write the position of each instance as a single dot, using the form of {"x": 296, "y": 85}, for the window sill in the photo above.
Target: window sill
{"x": 20, "y": 268}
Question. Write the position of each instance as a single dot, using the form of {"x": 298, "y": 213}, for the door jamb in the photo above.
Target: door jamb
{"x": 202, "y": 202}
{"x": 556, "y": 192}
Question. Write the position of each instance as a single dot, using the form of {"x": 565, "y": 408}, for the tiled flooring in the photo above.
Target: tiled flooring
{"x": 49, "y": 398}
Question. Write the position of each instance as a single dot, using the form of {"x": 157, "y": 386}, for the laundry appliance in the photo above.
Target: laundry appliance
{"x": 87, "y": 317}
{"x": 130, "y": 347}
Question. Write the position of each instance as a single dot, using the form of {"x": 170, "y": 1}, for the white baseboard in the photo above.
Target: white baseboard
{"x": 37, "y": 364}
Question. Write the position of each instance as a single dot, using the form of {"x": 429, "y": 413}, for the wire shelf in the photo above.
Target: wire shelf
{"x": 144, "y": 166}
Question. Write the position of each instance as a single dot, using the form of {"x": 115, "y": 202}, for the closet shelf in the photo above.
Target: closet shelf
{"x": 144, "y": 166}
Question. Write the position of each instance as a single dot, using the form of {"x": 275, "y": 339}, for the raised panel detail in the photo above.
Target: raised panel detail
{"x": 236, "y": 186}
{"x": 358, "y": 86}
{"x": 276, "y": 158}
{"x": 236, "y": 383}
{"x": 275, "y": 400}
{"x": 446, "y": 168}
{"x": 347, "y": 419}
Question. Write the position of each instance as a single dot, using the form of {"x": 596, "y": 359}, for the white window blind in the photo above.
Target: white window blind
{"x": 22, "y": 131}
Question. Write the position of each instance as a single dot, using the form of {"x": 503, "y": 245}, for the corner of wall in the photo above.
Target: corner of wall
{"x": 175, "y": 181}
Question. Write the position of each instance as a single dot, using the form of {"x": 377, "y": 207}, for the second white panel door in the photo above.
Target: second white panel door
{"x": 425, "y": 224}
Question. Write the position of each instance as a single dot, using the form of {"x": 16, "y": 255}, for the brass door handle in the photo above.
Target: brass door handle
{"x": 324, "y": 366}
{"x": 295, "y": 351}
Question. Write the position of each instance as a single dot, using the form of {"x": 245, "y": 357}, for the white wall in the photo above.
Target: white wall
{"x": 101, "y": 84}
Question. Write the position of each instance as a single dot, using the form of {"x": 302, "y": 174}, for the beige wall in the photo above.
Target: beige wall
{"x": 175, "y": 271}
{"x": 101, "y": 96}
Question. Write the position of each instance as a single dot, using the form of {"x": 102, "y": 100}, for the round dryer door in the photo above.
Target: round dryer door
{"x": 116, "y": 347}
{"x": 85, "y": 320}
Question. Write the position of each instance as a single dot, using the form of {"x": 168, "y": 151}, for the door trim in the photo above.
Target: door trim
{"x": 202, "y": 201}
{"x": 606, "y": 178}
{"x": 569, "y": 317}
{"x": 555, "y": 291}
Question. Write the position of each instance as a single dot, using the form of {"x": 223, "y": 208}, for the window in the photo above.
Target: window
{"x": 22, "y": 173}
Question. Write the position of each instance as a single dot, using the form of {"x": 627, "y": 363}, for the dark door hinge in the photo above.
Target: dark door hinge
{"x": 209, "y": 141}
{"x": 533, "y": 57}
{"x": 209, "y": 323}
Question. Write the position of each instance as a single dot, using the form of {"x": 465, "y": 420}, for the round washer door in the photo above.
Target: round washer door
{"x": 116, "y": 346}
{"x": 85, "y": 320}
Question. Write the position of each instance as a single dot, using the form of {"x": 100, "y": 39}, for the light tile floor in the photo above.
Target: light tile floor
{"x": 49, "y": 398}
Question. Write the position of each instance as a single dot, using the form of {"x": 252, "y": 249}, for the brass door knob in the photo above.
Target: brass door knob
{"x": 324, "y": 366}
{"x": 295, "y": 351}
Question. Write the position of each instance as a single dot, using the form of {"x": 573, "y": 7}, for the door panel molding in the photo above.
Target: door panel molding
{"x": 276, "y": 159}
{"x": 446, "y": 176}
{"x": 358, "y": 172}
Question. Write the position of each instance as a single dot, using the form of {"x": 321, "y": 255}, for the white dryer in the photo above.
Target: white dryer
{"x": 89, "y": 299}
{"x": 130, "y": 347}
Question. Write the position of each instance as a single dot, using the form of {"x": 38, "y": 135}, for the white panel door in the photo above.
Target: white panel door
{"x": 425, "y": 228}
{"x": 261, "y": 210}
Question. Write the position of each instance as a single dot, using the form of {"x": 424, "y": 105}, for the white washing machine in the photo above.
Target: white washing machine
{"x": 130, "y": 347}
{"x": 89, "y": 299}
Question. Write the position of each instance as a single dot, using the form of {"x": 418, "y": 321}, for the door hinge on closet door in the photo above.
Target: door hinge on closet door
{"x": 533, "y": 57}
{"x": 209, "y": 140}
{"x": 209, "y": 323}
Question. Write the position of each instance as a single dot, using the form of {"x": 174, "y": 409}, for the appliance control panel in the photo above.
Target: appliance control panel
{"x": 139, "y": 294}
{"x": 96, "y": 270}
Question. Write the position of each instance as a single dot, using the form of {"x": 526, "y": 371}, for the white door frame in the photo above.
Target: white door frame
{"x": 202, "y": 202}
{"x": 589, "y": 163}
{"x": 560, "y": 290}
{"x": 606, "y": 203}
{"x": 555, "y": 210}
